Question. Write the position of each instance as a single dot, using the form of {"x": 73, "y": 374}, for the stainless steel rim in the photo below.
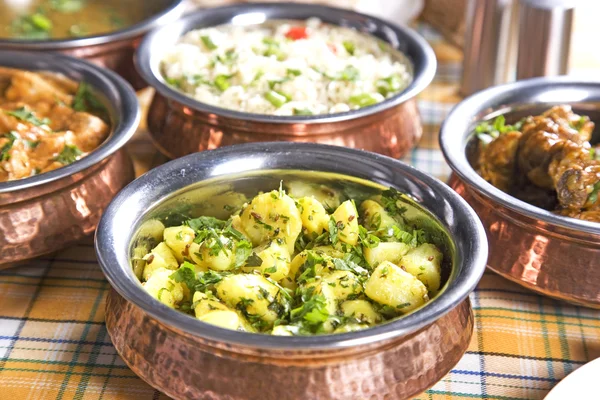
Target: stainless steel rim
{"x": 457, "y": 129}
{"x": 124, "y": 213}
{"x": 124, "y": 110}
{"x": 169, "y": 14}
{"x": 412, "y": 44}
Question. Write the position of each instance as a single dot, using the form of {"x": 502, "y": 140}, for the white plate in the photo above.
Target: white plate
{"x": 579, "y": 384}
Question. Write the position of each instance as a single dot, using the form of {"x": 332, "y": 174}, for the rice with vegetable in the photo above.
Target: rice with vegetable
{"x": 286, "y": 68}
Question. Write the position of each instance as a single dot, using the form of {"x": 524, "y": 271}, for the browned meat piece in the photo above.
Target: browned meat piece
{"x": 497, "y": 160}
{"x": 574, "y": 175}
{"x": 30, "y": 87}
{"x": 543, "y": 137}
{"x": 549, "y": 163}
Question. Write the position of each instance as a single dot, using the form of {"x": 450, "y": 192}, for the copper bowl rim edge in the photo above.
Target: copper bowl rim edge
{"x": 114, "y": 262}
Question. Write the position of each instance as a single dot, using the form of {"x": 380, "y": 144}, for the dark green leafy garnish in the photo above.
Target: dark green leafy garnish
{"x": 312, "y": 313}
{"x": 86, "y": 100}
{"x": 25, "y": 114}
{"x": 4, "y": 150}
{"x": 390, "y": 199}
{"x": 201, "y": 223}
{"x": 254, "y": 261}
{"x": 68, "y": 155}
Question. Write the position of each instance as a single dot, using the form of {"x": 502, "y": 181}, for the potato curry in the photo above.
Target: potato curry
{"x": 295, "y": 263}
{"x": 46, "y": 121}
{"x": 545, "y": 160}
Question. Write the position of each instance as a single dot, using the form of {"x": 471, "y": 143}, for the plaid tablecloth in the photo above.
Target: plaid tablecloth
{"x": 54, "y": 344}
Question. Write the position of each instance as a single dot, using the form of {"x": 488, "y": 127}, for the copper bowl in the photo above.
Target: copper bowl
{"x": 113, "y": 50}
{"x": 181, "y": 125}
{"x": 46, "y": 212}
{"x": 186, "y": 358}
{"x": 550, "y": 254}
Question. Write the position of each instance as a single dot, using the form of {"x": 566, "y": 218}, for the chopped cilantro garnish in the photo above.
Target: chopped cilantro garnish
{"x": 86, "y": 100}
{"x": 25, "y": 114}
{"x": 4, "y": 150}
{"x": 68, "y": 155}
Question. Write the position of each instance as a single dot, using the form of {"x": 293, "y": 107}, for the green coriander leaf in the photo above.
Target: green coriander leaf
{"x": 68, "y": 155}
{"x": 25, "y": 114}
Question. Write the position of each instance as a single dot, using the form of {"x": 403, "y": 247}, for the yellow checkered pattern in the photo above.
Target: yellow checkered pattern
{"x": 54, "y": 344}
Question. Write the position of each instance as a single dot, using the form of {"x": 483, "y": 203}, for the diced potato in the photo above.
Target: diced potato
{"x": 385, "y": 251}
{"x": 217, "y": 257}
{"x": 328, "y": 251}
{"x": 342, "y": 284}
{"x": 222, "y": 319}
{"x": 163, "y": 288}
{"x": 275, "y": 261}
{"x": 204, "y": 304}
{"x": 375, "y": 217}
{"x": 362, "y": 310}
{"x": 149, "y": 233}
{"x": 159, "y": 257}
{"x": 390, "y": 285}
{"x": 196, "y": 257}
{"x": 285, "y": 330}
{"x": 272, "y": 215}
{"x": 298, "y": 262}
{"x": 424, "y": 262}
{"x": 350, "y": 328}
{"x": 328, "y": 197}
{"x": 252, "y": 293}
{"x": 314, "y": 216}
{"x": 179, "y": 239}
{"x": 346, "y": 218}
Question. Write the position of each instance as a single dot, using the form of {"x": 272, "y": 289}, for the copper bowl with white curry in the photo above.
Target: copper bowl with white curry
{"x": 64, "y": 123}
{"x": 284, "y": 72}
{"x": 290, "y": 270}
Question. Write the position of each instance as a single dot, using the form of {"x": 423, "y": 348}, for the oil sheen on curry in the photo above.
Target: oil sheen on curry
{"x": 63, "y": 19}
{"x": 47, "y": 121}
{"x": 546, "y": 160}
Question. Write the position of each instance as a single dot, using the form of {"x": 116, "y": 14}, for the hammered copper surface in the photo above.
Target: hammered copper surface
{"x": 549, "y": 259}
{"x": 48, "y": 217}
{"x": 178, "y": 130}
{"x": 116, "y": 56}
{"x": 189, "y": 367}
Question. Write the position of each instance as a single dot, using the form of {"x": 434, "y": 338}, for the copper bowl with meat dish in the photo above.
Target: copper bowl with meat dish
{"x": 535, "y": 246}
{"x": 105, "y": 32}
{"x": 181, "y": 125}
{"x": 186, "y": 358}
{"x": 60, "y": 165}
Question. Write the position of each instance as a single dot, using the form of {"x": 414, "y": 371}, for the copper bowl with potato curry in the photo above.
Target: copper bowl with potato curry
{"x": 525, "y": 156}
{"x": 337, "y": 273}
{"x": 62, "y": 125}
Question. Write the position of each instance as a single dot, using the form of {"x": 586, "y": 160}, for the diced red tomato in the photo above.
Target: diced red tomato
{"x": 332, "y": 48}
{"x": 297, "y": 33}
